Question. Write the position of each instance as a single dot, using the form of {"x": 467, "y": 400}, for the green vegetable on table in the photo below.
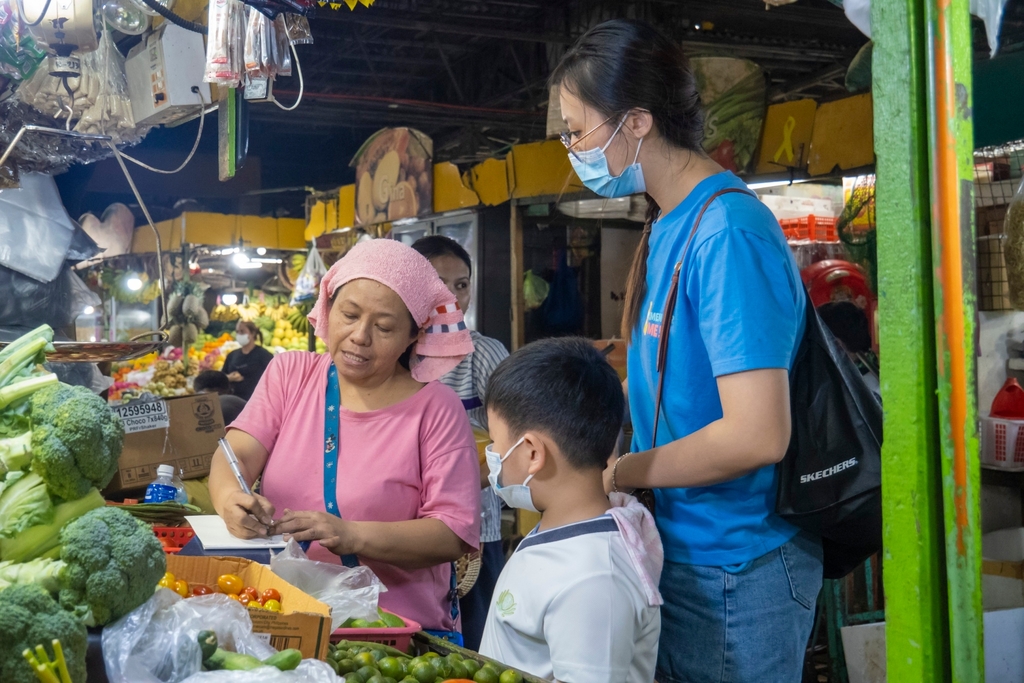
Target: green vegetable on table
{"x": 215, "y": 658}
{"x": 30, "y": 617}
{"x": 109, "y": 564}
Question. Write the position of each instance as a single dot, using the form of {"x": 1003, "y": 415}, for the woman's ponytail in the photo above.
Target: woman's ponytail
{"x": 636, "y": 281}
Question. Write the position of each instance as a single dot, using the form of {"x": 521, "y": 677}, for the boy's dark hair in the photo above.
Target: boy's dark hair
{"x": 848, "y": 323}
{"x": 433, "y": 246}
{"x": 212, "y": 380}
{"x": 566, "y": 389}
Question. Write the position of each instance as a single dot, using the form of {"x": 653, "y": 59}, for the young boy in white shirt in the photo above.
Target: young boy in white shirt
{"x": 578, "y": 601}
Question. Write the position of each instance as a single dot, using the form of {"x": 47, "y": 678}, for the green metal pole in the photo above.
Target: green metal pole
{"x": 913, "y": 553}
{"x": 951, "y": 136}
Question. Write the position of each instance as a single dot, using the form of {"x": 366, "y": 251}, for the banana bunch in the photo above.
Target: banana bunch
{"x": 225, "y": 314}
{"x": 298, "y": 320}
{"x": 186, "y": 317}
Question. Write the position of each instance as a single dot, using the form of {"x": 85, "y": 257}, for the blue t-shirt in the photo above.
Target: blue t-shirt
{"x": 740, "y": 307}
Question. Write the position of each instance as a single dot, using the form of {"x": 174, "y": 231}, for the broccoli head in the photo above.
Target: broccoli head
{"x": 76, "y": 440}
{"x": 30, "y": 617}
{"x": 112, "y": 563}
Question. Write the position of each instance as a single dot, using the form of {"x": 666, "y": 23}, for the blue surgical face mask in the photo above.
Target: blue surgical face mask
{"x": 514, "y": 495}
{"x": 591, "y": 166}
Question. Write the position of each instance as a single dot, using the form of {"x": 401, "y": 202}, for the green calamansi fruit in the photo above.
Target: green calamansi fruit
{"x": 510, "y": 676}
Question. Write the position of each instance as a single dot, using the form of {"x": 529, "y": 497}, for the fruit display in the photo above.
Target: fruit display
{"x": 364, "y": 662}
{"x": 230, "y": 585}
{"x": 387, "y": 620}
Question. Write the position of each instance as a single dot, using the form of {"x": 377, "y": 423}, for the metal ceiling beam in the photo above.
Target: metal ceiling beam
{"x": 406, "y": 24}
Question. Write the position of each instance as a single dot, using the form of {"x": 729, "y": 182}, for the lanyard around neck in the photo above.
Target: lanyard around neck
{"x": 332, "y": 445}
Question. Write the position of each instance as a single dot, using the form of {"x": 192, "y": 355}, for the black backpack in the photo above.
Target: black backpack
{"x": 830, "y": 480}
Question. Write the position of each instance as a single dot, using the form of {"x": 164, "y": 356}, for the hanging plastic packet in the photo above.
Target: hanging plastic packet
{"x": 282, "y": 65}
{"x": 309, "y": 278}
{"x": 225, "y": 51}
{"x": 257, "y": 57}
{"x": 299, "y": 32}
{"x": 111, "y": 111}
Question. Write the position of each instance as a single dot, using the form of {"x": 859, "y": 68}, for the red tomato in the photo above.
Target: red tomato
{"x": 251, "y": 592}
{"x": 229, "y": 583}
{"x": 270, "y": 594}
{"x": 244, "y": 599}
{"x": 200, "y": 589}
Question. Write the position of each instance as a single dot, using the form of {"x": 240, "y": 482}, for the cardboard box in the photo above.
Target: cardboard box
{"x": 182, "y": 432}
{"x": 304, "y": 623}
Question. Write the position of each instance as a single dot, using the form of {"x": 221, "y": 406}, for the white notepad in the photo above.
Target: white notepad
{"x": 214, "y": 535}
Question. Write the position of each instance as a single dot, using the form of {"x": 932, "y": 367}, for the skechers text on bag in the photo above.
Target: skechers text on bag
{"x": 830, "y": 480}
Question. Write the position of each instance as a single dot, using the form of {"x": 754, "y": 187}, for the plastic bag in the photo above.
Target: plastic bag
{"x": 351, "y": 593}
{"x": 156, "y": 643}
{"x": 309, "y": 279}
{"x": 225, "y": 49}
{"x": 111, "y": 110}
{"x": 535, "y": 290}
{"x": 299, "y": 32}
{"x": 991, "y": 13}
{"x": 258, "y": 45}
{"x": 281, "y": 60}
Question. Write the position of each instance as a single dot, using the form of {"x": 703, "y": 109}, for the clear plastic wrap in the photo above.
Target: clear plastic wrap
{"x": 299, "y": 32}
{"x": 157, "y": 643}
{"x": 225, "y": 49}
{"x": 259, "y": 44}
{"x": 351, "y": 593}
{"x": 281, "y": 60}
{"x": 111, "y": 110}
{"x": 309, "y": 278}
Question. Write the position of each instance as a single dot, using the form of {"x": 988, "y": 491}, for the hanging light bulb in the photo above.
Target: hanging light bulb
{"x": 229, "y": 299}
{"x": 240, "y": 259}
{"x": 125, "y": 17}
{"x": 133, "y": 282}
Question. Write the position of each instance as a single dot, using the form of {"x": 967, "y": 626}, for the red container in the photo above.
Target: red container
{"x": 812, "y": 228}
{"x": 398, "y": 638}
{"x": 173, "y": 538}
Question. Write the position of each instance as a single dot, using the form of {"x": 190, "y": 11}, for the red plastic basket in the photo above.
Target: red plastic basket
{"x": 398, "y": 638}
{"x": 813, "y": 228}
{"x": 173, "y": 538}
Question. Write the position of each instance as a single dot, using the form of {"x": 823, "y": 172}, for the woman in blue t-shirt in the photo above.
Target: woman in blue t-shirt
{"x": 739, "y": 583}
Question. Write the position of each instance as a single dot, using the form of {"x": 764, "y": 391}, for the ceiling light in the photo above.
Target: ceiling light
{"x": 261, "y": 251}
{"x": 229, "y": 299}
{"x": 88, "y": 310}
{"x": 240, "y": 259}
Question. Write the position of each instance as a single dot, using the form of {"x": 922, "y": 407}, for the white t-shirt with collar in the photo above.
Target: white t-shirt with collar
{"x": 569, "y": 607}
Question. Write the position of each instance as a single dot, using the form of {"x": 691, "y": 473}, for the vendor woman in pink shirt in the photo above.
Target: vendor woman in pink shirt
{"x": 361, "y": 449}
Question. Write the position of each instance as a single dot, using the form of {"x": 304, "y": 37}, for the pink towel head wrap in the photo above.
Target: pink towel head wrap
{"x": 411, "y": 277}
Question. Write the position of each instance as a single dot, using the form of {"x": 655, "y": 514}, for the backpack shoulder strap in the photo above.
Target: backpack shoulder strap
{"x": 670, "y": 307}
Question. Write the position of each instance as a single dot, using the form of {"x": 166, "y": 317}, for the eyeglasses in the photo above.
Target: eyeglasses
{"x": 566, "y": 137}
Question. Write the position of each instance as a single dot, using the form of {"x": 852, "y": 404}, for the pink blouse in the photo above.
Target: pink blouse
{"x": 416, "y": 459}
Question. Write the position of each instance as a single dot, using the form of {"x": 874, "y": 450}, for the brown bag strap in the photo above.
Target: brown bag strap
{"x": 670, "y": 307}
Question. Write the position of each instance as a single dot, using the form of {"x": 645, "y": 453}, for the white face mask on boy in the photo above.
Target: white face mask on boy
{"x": 514, "y": 495}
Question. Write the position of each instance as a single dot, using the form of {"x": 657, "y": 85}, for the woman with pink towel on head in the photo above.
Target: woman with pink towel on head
{"x": 361, "y": 450}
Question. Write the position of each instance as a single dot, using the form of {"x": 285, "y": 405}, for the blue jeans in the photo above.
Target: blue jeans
{"x": 747, "y": 624}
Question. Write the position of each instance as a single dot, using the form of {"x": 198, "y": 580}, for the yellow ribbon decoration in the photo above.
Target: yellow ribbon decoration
{"x": 787, "y": 141}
